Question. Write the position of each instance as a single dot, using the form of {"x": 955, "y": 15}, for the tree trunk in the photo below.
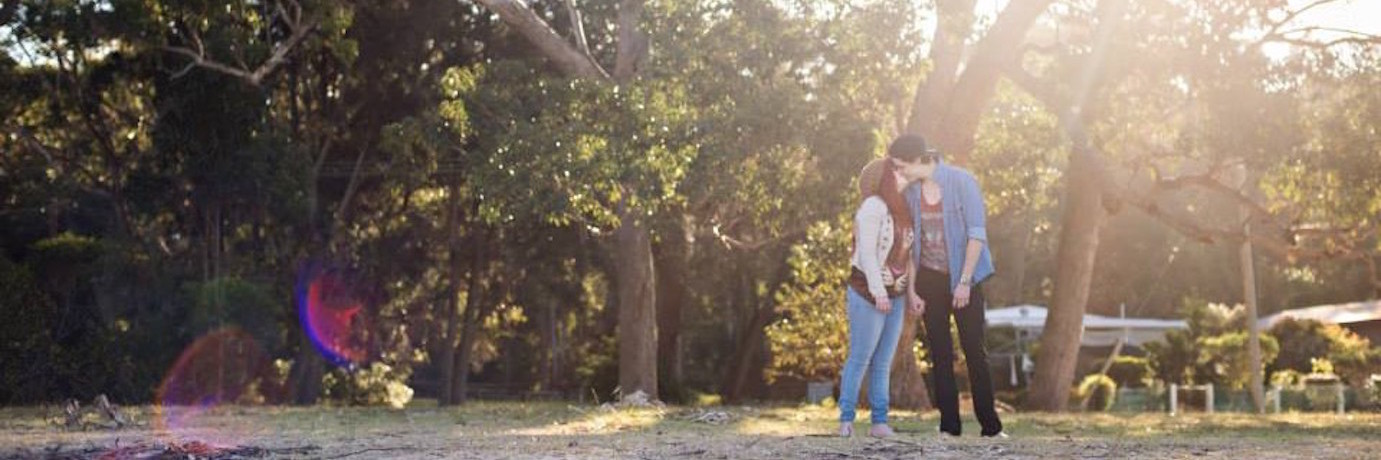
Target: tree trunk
{"x": 460, "y": 384}
{"x": 746, "y": 350}
{"x": 1018, "y": 263}
{"x": 1064, "y": 327}
{"x": 908, "y": 388}
{"x": 453, "y": 313}
{"x": 457, "y": 382}
{"x": 637, "y": 330}
{"x": 449, "y": 342}
{"x": 954, "y": 22}
{"x": 307, "y": 371}
{"x": 1079, "y": 232}
{"x": 669, "y": 263}
{"x": 1253, "y": 329}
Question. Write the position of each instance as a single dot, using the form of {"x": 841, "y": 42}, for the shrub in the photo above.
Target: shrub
{"x": 26, "y": 344}
{"x": 1100, "y": 391}
{"x": 1130, "y": 371}
{"x": 1353, "y": 357}
{"x": 810, "y": 340}
{"x": 377, "y": 385}
{"x": 1225, "y": 358}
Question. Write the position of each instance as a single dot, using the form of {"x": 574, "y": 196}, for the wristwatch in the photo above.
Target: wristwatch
{"x": 965, "y": 280}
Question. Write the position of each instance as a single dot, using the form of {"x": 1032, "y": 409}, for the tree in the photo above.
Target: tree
{"x": 635, "y": 276}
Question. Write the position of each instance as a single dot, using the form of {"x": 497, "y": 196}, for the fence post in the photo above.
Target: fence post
{"x": 1275, "y": 397}
{"x": 1208, "y": 396}
{"x": 1342, "y": 397}
{"x": 1174, "y": 398}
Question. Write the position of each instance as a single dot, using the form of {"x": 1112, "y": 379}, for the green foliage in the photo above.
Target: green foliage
{"x": 1286, "y": 378}
{"x": 25, "y": 335}
{"x": 1130, "y": 371}
{"x": 1373, "y": 389}
{"x": 1353, "y": 356}
{"x": 1212, "y": 350}
{"x": 560, "y": 151}
{"x": 1304, "y": 343}
{"x": 1227, "y": 358}
{"x": 67, "y": 248}
{"x": 1100, "y": 391}
{"x": 1174, "y": 358}
{"x": 376, "y": 385}
{"x": 231, "y": 301}
{"x": 1322, "y": 367}
{"x": 810, "y": 341}
{"x": 1301, "y": 341}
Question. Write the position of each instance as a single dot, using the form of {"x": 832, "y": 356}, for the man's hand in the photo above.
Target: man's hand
{"x": 961, "y": 296}
{"x": 915, "y": 304}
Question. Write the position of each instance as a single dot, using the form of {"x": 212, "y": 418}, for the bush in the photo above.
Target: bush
{"x": 1130, "y": 371}
{"x": 1303, "y": 341}
{"x": 1100, "y": 391}
{"x": 1287, "y": 378}
{"x": 1225, "y": 360}
{"x": 1373, "y": 390}
{"x": 231, "y": 301}
{"x": 1173, "y": 359}
{"x": 1300, "y": 342}
{"x": 377, "y": 385}
{"x": 810, "y": 341}
{"x": 26, "y": 344}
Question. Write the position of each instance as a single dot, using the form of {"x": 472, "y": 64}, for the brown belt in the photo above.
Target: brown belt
{"x": 859, "y": 282}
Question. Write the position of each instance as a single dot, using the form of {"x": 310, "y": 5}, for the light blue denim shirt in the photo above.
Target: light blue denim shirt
{"x": 965, "y": 219}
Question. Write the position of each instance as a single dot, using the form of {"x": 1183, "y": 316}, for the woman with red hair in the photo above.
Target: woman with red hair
{"x": 879, "y": 285}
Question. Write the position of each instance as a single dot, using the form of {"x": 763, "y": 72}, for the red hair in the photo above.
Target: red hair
{"x": 901, "y": 214}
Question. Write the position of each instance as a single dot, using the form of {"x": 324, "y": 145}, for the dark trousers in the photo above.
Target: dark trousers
{"x": 934, "y": 288}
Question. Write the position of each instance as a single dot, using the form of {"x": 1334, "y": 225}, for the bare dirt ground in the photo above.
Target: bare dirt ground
{"x": 502, "y": 430}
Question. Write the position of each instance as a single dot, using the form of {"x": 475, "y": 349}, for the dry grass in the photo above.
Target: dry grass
{"x": 558, "y": 430}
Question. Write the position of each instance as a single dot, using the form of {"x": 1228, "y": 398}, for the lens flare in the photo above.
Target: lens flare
{"x": 332, "y": 316}
{"x": 224, "y": 367}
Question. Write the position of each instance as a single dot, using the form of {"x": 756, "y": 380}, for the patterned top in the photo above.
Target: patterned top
{"x": 932, "y": 237}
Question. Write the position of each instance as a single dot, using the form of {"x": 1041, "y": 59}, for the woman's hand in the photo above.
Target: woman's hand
{"x": 915, "y": 304}
{"x": 881, "y": 301}
{"x": 961, "y": 296}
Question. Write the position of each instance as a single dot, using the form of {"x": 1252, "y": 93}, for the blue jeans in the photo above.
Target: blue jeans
{"x": 873, "y": 339}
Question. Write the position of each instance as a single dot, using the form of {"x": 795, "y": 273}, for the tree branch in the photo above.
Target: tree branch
{"x": 522, "y": 18}
{"x": 954, "y": 21}
{"x": 1291, "y": 15}
{"x": 1207, "y": 181}
{"x": 978, "y": 81}
{"x": 1031, "y": 84}
{"x": 633, "y": 43}
{"x": 254, "y": 77}
{"x": 1282, "y": 244}
{"x": 1301, "y": 35}
{"x": 1304, "y": 43}
{"x": 577, "y": 27}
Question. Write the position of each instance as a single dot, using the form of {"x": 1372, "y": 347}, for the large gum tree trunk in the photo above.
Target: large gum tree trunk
{"x": 1064, "y": 327}
{"x": 637, "y": 330}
